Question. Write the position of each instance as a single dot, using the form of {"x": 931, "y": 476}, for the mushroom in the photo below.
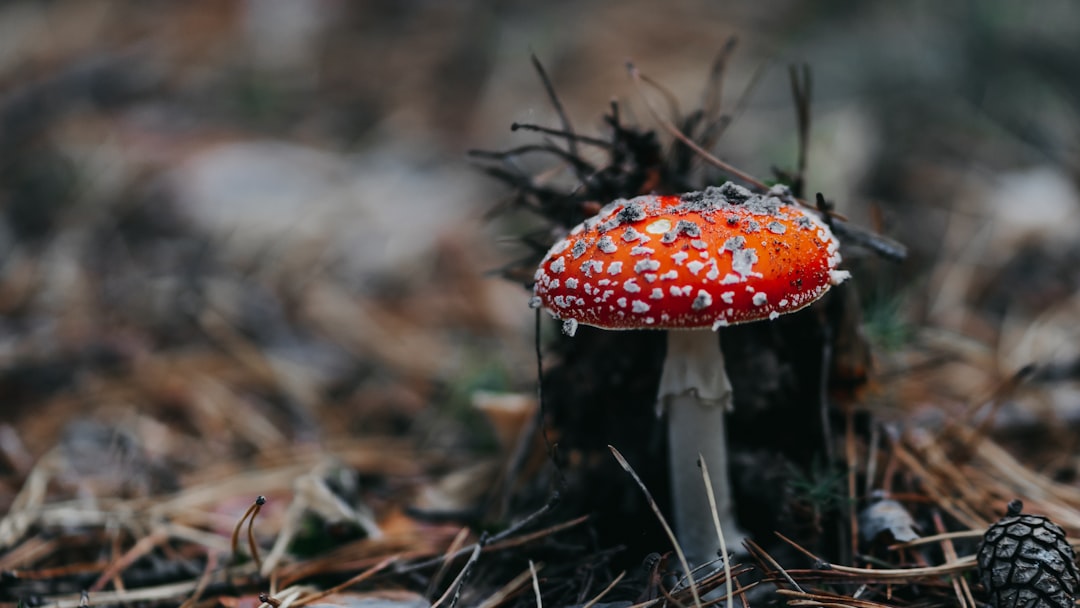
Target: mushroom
{"x": 691, "y": 264}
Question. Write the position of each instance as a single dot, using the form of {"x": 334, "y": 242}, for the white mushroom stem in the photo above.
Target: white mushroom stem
{"x": 696, "y": 392}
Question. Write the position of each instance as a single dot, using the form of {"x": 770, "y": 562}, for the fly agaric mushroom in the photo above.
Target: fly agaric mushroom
{"x": 691, "y": 264}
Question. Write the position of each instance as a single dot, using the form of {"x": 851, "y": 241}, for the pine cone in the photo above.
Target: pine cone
{"x": 1025, "y": 561}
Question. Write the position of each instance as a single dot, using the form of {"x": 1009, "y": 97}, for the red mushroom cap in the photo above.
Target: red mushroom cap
{"x": 696, "y": 260}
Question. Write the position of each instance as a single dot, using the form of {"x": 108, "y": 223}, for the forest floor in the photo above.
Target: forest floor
{"x": 265, "y": 335}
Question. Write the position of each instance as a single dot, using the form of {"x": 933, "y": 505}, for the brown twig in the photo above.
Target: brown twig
{"x": 892, "y": 574}
{"x": 669, "y": 97}
{"x": 571, "y": 142}
{"x": 801, "y": 90}
{"x": 672, "y": 130}
{"x": 459, "y": 582}
{"x": 204, "y": 580}
{"x": 454, "y": 547}
{"x": 139, "y": 549}
{"x": 715, "y": 128}
{"x": 535, "y": 584}
{"x": 960, "y": 584}
{"x": 802, "y": 598}
{"x": 768, "y": 563}
{"x": 252, "y": 545}
{"x": 585, "y": 139}
{"x": 249, "y": 516}
{"x": 359, "y": 578}
{"x": 716, "y": 524}
{"x": 663, "y": 522}
{"x": 605, "y": 591}
{"x": 713, "y": 100}
{"x": 504, "y": 592}
{"x": 505, "y": 543}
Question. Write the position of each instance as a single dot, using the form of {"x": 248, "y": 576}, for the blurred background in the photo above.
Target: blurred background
{"x": 229, "y": 227}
